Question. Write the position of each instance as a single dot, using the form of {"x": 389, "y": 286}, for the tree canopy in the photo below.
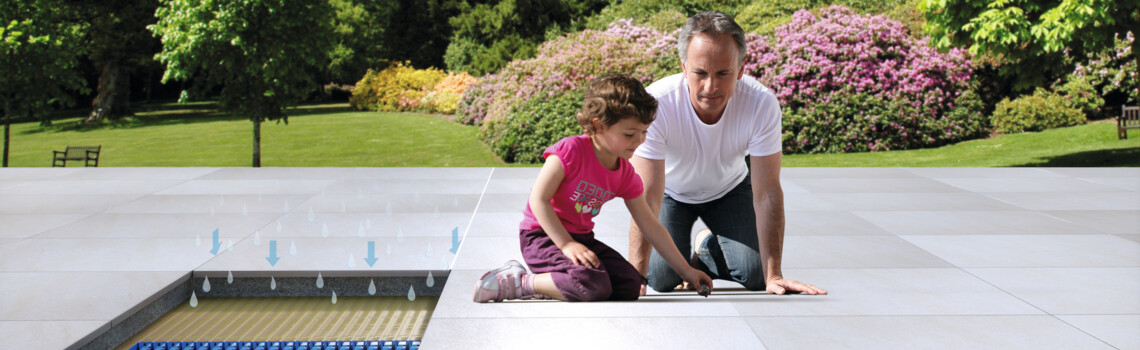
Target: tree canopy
{"x": 1030, "y": 37}
{"x": 263, "y": 54}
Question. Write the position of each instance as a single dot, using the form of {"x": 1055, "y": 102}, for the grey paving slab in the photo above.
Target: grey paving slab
{"x": 855, "y": 252}
{"x": 874, "y": 185}
{"x": 913, "y": 202}
{"x": 517, "y": 173}
{"x": 161, "y": 226}
{"x": 334, "y": 256}
{"x": 1077, "y": 291}
{"x": 970, "y": 223}
{"x": 137, "y": 173}
{"x": 503, "y": 203}
{"x": 270, "y": 173}
{"x": 105, "y": 254}
{"x": 7, "y": 184}
{"x": 920, "y": 332}
{"x": 61, "y": 204}
{"x": 1116, "y": 330}
{"x": 981, "y": 173}
{"x": 456, "y": 302}
{"x": 888, "y": 292}
{"x": 49, "y": 334}
{"x": 205, "y": 204}
{"x": 1052, "y": 185}
{"x": 808, "y": 202}
{"x": 504, "y": 224}
{"x": 1124, "y": 183}
{"x": 815, "y": 173}
{"x": 1071, "y": 201}
{"x": 80, "y": 296}
{"x": 1134, "y": 238}
{"x": 1031, "y": 250}
{"x": 92, "y": 187}
{"x": 510, "y": 185}
{"x": 591, "y": 332}
{"x": 420, "y": 173}
{"x": 828, "y": 223}
{"x": 1102, "y": 221}
{"x": 297, "y": 224}
{"x": 248, "y": 187}
{"x": 418, "y": 185}
{"x": 35, "y": 173}
{"x": 1124, "y": 172}
{"x": 27, "y": 225}
{"x": 395, "y": 203}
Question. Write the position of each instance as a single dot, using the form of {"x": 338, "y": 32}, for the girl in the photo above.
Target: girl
{"x": 580, "y": 174}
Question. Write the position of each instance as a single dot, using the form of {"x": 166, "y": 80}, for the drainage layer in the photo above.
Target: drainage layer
{"x": 292, "y": 319}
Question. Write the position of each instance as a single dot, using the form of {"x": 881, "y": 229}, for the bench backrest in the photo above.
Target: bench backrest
{"x": 1130, "y": 114}
{"x": 80, "y": 152}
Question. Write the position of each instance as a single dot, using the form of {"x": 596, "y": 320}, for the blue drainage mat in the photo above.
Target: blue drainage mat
{"x": 281, "y": 345}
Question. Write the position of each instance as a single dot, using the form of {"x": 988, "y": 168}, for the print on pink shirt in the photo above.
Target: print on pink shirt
{"x": 588, "y": 198}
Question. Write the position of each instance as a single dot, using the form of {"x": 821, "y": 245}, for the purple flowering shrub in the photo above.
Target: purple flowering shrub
{"x": 568, "y": 62}
{"x": 1113, "y": 70}
{"x": 850, "y": 83}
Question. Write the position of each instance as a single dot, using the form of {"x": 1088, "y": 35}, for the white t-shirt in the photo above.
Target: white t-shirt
{"x": 703, "y": 162}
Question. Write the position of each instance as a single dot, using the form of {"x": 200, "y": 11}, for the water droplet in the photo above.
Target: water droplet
{"x": 368, "y": 223}
{"x": 312, "y": 216}
{"x": 230, "y": 277}
{"x": 197, "y": 240}
{"x": 257, "y": 238}
{"x": 430, "y": 280}
{"x": 193, "y": 299}
{"x": 205, "y": 284}
{"x": 388, "y": 209}
{"x": 244, "y": 210}
{"x": 293, "y": 248}
{"x": 278, "y": 226}
{"x": 334, "y": 297}
{"x": 389, "y": 248}
{"x": 371, "y": 287}
{"x": 427, "y": 252}
{"x": 411, "y": 294}
{"x": 360, "y": 231}
{"x": 351, "y": 261}
{"x": 285, "y": 208}
{"x": 325, "y": 230}
{"x": 272, "y": 283}
{"x": 399, "y": 235}
{"x": 231, "y": 246}
{"x": 320, "y": 281}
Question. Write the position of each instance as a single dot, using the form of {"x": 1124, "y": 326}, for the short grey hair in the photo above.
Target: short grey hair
{"x": 710, "y": 23}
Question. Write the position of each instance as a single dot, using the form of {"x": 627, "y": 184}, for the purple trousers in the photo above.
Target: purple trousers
{"x": 615, "y": 279}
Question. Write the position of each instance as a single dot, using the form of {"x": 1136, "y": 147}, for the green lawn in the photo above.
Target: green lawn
{"x": 1090, "y": 145}
{"x": 334, "y": 135}
{"x": 330, "y": 135}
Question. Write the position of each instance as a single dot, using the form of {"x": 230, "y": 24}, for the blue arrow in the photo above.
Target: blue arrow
{"x": 371, "y": 259}
{"x": 217, "y": 243}
{"x": 454, "y": 240}
{"x": 273, "y": 253}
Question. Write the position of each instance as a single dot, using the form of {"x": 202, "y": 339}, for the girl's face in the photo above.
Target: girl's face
{"x": 622, "y": 138}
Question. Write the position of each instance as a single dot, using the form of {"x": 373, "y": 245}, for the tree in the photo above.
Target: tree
{"x": 38, "y": 50}
{"x": 119, "y": 45}
{"x": 263, "y": 54}
{"x": 1030, "y": 37}
{"x": 360, "y": 28}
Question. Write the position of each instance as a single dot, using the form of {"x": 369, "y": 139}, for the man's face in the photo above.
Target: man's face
{"x": 712, "y": 70}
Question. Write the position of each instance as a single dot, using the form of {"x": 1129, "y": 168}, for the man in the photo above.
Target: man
{"x": 692, "y": 163}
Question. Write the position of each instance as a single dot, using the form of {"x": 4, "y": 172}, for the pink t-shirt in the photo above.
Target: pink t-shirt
{"x": 586, "y": 187}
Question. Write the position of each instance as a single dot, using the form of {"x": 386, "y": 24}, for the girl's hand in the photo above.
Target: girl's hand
{"x": 698, "y": 280}
{"x": 580, "y": 255}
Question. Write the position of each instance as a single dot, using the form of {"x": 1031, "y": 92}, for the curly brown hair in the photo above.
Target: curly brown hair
{"x": 613, "y": 97}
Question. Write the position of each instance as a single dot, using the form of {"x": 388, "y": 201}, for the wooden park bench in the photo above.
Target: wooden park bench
{"x": 1129, "y": 119}
{"x": 88, "y": 154}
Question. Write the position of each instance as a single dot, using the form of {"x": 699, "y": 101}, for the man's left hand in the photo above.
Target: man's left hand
{"x": 780, "y": 285}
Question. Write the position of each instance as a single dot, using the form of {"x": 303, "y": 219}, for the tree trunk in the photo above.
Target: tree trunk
{"x": 102, "y": 105}
{"x": 256, "y": 142}
{"x": 7, "y": 126}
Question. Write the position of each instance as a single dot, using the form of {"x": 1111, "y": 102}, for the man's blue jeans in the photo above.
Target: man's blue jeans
{"x": 731, "y": 252}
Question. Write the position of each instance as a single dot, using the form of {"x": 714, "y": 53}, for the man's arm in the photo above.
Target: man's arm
{"x": 652, "y": 172}
{"x": 768, "y": 201}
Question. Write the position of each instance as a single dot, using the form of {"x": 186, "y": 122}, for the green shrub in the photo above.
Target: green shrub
{"x": 1079, "y": 93}
{"x": 1040, "y": 111}
{"x": 763, "y": 17}
{"x": 651, "y": 13}
{"x": 526, "y": 131}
